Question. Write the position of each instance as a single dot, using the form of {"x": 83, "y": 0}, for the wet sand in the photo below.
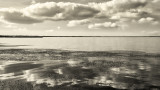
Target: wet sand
{"x": 49, "y": 69}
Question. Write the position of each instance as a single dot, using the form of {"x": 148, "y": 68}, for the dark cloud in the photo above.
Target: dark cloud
{"x": 132, "y": 4}
{"x": 82, "y": 12}
{"x": 61, "y": 11}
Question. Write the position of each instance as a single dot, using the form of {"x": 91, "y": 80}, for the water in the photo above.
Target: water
{"x": 81, "y": 63}
{"x": 146, "y": 44}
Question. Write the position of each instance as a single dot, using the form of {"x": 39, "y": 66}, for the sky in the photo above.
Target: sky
{"x": 80, "y": 17}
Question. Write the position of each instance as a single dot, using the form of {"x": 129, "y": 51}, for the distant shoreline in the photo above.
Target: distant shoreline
{"x": 21, "y": 36}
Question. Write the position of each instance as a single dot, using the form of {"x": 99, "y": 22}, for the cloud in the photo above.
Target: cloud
{"x": 78, "y": 12}
{"x": 75, "y": 11}
{"x": 58, "y": 27}
{"x": 77, "y": 22}
{"x": 61, "y": 11}
{"x": 120, "y": 9}
{"x": 48, "y": 9}
{"x": 155, "y": 1}
{"x": 127, "y": 15}
{"x": 103, "y": 25}
{"x": 33, "y": 2}
{"x": 40, "y": 12}
{"x": 148, "y": 20}
{"x": 15, "y": 16}
{"x": 114, "y": 6}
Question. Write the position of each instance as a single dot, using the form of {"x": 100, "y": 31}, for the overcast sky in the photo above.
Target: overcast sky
{"x": 80, "y": 17}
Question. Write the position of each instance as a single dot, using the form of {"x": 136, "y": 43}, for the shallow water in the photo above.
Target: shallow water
{"x": 95, "y": 64}
{"x": 79, "y": 70}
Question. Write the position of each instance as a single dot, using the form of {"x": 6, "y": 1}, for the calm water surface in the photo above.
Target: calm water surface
{"x": 80, "y": 63}
{"x": 147, "y": 44}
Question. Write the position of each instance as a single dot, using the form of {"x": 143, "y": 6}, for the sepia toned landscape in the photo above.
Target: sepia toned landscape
{"x": 27, "y": 67}
{"x": 79, "y": 44}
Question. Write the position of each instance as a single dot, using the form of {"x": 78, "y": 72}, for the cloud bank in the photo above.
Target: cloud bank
{"x": 113, "y": 11}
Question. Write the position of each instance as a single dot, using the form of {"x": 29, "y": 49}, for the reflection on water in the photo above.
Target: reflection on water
{"x": 61, "y": 70}
{"x": 3, "y": 45}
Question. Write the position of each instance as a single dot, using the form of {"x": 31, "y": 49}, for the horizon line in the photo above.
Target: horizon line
{"x": 41, "y": 36}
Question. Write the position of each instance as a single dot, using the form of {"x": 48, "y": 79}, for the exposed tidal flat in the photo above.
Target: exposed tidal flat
{"x": 80, "y": 63}
{"x": 54, "y": 69}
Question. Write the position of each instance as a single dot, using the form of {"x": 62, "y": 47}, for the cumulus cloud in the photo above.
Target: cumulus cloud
{"x": 103, "y": 25}
{"x": 148, "y": 20}
{"x": 77, "y": 22}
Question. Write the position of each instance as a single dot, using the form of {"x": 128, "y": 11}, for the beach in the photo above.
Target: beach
{"x": 28, "y": 66}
